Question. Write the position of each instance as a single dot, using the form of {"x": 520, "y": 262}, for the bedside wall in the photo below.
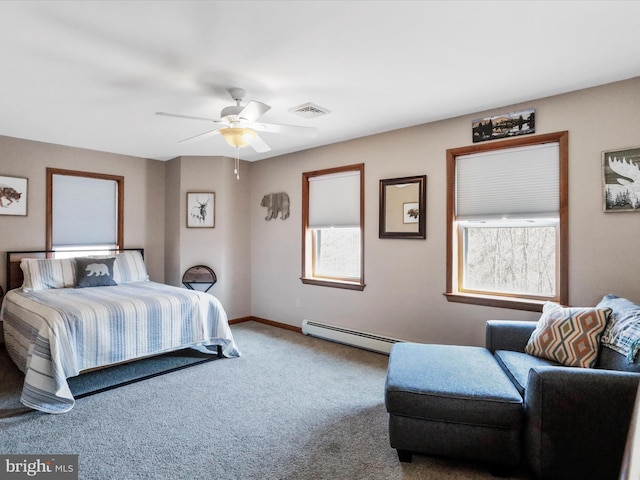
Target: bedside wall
{"x": 406, "y": 278}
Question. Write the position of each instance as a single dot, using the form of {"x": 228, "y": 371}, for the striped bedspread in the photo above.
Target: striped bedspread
{"x": 54, "y": 334}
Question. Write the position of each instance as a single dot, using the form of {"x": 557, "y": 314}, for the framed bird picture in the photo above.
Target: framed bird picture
{"x": 621, "y": 180}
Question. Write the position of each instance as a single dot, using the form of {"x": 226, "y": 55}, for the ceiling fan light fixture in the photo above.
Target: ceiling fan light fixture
{"x": 237, "y": 137}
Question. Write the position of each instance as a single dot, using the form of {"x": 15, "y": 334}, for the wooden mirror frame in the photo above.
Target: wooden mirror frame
{"x": 421, "y": 181}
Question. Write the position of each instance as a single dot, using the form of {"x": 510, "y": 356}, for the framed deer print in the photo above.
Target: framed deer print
{"x": 621, "y": 180}
{"x": 13, "y": 196}
{"x": 201, "y": 209}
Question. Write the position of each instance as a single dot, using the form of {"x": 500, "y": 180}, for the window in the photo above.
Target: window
{"x": 507, "y": 222}
{"x": 333, "y": 226}
{"x": 84, "y": 210}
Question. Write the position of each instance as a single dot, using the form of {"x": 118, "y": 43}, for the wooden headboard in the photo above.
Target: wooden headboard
{"x": 14, "y": 273}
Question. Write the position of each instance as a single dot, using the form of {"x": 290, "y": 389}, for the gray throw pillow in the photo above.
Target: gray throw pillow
{"x": 94, "y": 272}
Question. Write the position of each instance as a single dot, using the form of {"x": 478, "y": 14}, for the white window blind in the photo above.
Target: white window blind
{"x": 84, "y": 211}
{"x": 519, "y": 182}
{"x": 334, "y": 200}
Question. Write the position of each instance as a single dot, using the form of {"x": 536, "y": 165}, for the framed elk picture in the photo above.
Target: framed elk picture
{"x": 621, "y": 180}
{"x": 201, "y": 210}
{"x": 13, "y": 196}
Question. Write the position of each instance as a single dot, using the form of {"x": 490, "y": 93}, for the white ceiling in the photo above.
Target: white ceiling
{"x": 92, "y": 74}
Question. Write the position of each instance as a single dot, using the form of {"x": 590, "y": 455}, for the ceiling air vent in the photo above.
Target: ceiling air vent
{"x": 309, "y": 110}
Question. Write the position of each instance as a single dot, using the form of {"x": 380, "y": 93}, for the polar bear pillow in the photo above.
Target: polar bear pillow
{"x": 94, "y": 272}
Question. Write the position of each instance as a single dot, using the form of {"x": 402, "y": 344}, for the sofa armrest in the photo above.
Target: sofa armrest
{"x": 508, "y": 334}
{"x": 577, "y": 421}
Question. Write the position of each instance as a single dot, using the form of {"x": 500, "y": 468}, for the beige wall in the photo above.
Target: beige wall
{"x": 172, "y": 221}
{"x": 224, "y": 248}
{"x": 144, "y": 196}
{"x": 406, "y": 278}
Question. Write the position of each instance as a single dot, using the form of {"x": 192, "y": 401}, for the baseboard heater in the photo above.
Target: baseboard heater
{"x": 354, "y": 338}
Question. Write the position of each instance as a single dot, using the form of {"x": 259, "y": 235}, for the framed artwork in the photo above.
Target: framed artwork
{"x": 504, "y": 125}
{"x": 621, "y": 180}
{"x": 201, "y": 209}
{"x": 411, "y": 212}
{"x": 13, "y": 195}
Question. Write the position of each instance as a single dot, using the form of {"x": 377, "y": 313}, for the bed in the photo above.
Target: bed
{"x": 66, "y": 316}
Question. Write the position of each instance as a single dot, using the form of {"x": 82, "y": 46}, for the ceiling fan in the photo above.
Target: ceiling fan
{"x": 239, "y": 128}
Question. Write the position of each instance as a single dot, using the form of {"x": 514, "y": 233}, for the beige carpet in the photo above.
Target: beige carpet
{"x": 292, "y": 407}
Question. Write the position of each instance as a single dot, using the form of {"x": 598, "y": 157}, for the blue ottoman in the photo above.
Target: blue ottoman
{"x": 452, "y": 401}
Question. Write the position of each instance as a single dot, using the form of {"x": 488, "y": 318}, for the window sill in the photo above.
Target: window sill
{"x": 333, "y": 283}
{"x": 500, "y": 302}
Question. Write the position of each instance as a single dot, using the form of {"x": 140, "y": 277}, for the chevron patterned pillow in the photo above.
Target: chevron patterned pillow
{"x": 570, "y": 336}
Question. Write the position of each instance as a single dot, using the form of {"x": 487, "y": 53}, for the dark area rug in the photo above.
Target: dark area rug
{"x": 105, "y": 379}
{"x": 97, "y": 381}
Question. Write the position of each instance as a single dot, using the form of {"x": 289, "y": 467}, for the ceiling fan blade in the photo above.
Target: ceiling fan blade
{"x": 200, "y": 136}
{"x": 290, "y": 129}
{"x": 254, "y": 110}
{"x": 258, "y": 144}
{"x": 187, "y": 117}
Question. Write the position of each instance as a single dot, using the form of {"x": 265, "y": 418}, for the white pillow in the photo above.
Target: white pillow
{"x": 43, "y": 274}
{"x": 129, "y": 267}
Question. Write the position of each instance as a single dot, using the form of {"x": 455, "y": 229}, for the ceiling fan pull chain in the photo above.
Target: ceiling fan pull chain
{"x": 236, "y": 169}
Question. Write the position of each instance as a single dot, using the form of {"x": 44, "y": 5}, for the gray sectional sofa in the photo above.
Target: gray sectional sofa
{"x": 576, "y": 419}
{"x": 503, "y": 406}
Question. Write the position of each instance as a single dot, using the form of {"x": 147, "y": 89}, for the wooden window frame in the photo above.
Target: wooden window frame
{"x": 77, "y": 173}
{"x": 308, "y": 241}
{"x": 453, "y": 255}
